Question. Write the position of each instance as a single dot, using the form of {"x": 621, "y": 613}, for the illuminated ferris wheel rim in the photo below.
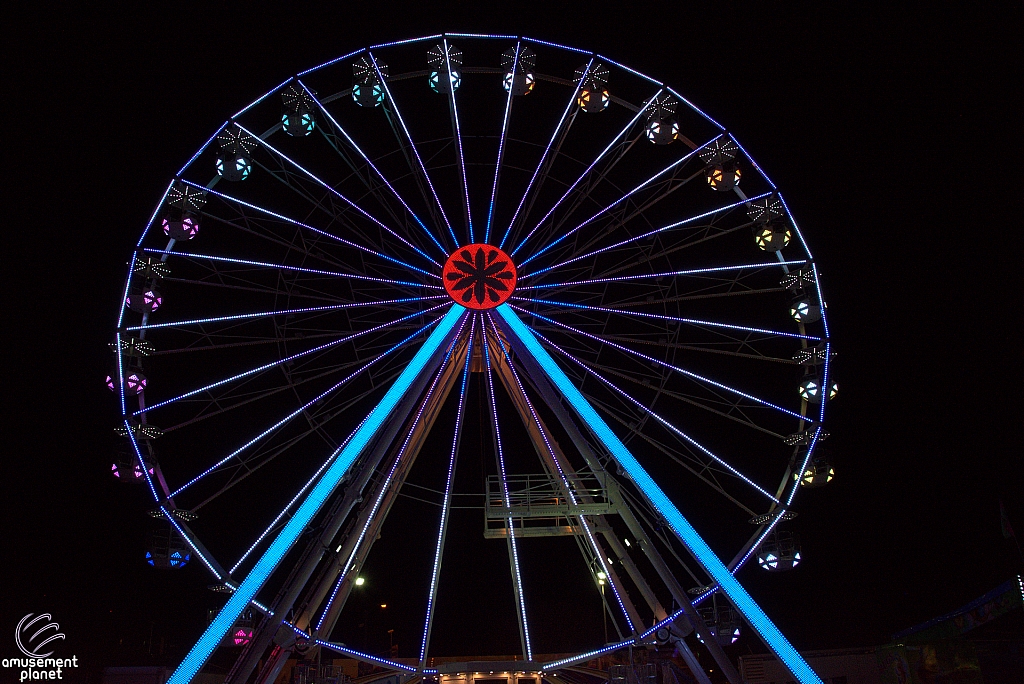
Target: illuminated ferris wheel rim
{"x": 453, "y": 247}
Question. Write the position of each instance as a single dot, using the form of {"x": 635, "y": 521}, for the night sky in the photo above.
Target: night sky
{"x": 889, "y": 130}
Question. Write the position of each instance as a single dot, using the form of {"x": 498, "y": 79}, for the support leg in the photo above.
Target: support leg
{"x": 425, "y": 360}
{"x": 756, "y": 617}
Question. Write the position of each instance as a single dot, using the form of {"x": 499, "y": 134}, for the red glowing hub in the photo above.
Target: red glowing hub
{"x": 479, "y": 276}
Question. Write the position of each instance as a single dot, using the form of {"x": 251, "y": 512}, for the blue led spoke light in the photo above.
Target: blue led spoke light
{"x": 398, "y": 115}
{"x": 291, "y": 416}
{"x": 282, "y": 312}
{"x": 540, "y": 164}
{"x": 286, "y": 359}
{"x": 645, "y": 276}
{"x": 683, "y": 529}
{"x": 677, "y": 369}
{"x": 643, "y": 236}
{"x": 458, "y": 141}
{"x": 583, "y": 175}
{"x": 608, "y": 207}
{"x": 446, "y": 501}
{"x": 380, "y": 175}
{"x": 658, "y": 418}
{"x": 313, "y": 503}
{"x": 331, "y": 236}
{"x": 300, "y": 269}
{"x": 677, "y": 319}
{"x": 326, "y": 186}
{"x": 501, "y": 141}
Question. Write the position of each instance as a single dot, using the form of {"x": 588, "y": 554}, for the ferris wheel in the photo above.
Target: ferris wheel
{"x": 569, "y": 245}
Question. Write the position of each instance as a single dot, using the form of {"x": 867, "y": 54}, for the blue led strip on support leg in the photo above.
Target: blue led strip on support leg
{"x": 196, "y": 657}
{"x": 685, "y": 531}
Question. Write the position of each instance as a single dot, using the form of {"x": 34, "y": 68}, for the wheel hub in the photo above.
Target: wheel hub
{"x": 479, "y": 276}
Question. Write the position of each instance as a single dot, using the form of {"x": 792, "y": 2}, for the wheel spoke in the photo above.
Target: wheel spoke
{"x": 281, "y": 312}
{"x": 648, "y": 234}
{"x": 326, "y": 234}
{"x": 334, "y": 192}
{"x": 446, "y": 502}
{"x": 408, "y": 135}
{"x": 257, "y": 396}
{"x": 675, "y": 319}
{"x": 373, "y": 166}
{"x": 299, "y": 410}
{"x": 583, "y": 175}
{"x": 610, "y": 205}
{"x": 512, "y": 545}
{"x": 387, "y": 480}
{"x": 273, "y": 364}
{"x": 454, "y": 110}
{"x": 543, "y": 158}
{"x": 501, "y": 141}
{"x": 658, "y": 418}
{"x": 677, "y": 369}
{"x": 667, "y": 274}
{"x": 300, "y": 269}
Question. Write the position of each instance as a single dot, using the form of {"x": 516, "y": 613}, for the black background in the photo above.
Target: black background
{"x": 890, "y": 129}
